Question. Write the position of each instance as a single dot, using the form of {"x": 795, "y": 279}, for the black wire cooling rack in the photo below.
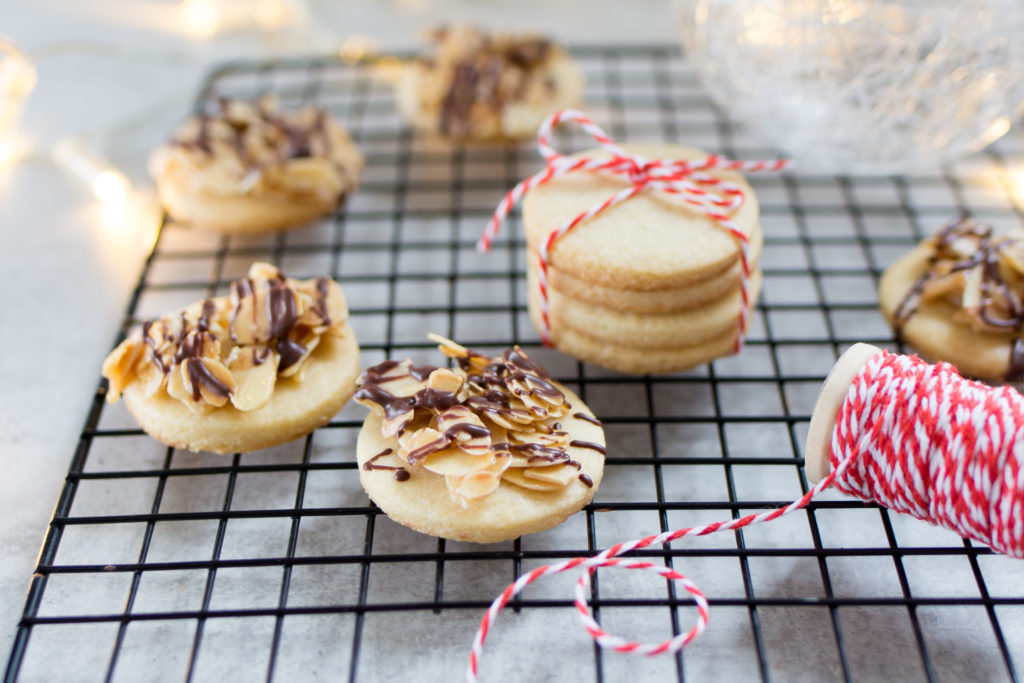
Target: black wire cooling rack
{"x": 166, "y": 565}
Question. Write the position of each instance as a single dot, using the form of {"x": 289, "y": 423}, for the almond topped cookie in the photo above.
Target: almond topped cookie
{"x": 486, "y": 451}
{"x": 250, "y": 167}
{"x": 271, "y": 362}
{"x": 959, "y": 297}
{"x": 479, "y": 86}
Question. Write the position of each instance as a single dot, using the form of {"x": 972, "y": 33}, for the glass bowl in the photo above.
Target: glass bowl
{"x": 863, "y": 86}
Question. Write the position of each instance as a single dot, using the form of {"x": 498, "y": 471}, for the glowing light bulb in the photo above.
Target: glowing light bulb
{"x": 17, "y": 80}
{"x": 1017, "y": 184}
{"x": 110, "y": 186}
{"x": 204, "y": 18}
{"x": 106, "y": 182}
{"x": 201, "y": 17}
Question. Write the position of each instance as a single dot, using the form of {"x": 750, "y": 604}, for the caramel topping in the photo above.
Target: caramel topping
{"x": 484, "y": 422}
{"x": 233, "y": 348}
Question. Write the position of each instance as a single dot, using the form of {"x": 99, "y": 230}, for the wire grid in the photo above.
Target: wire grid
{"x": 161, "y": 564}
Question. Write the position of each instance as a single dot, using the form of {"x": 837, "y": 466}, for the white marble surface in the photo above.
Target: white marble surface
{"x": 69, "y": 263}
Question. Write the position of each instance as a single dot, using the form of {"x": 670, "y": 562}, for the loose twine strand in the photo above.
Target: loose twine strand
{"x": 910, "y": 436}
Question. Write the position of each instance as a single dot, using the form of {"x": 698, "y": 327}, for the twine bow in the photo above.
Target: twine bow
{"x": 714, "y": 197}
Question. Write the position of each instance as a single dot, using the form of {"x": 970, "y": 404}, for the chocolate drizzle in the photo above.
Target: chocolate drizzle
{"x": 401, "y": 474}
{"x": 204, "y": 319}
{"x": 1015, "y": 371}
{"x": 589, "y": 444}
{"x": 948, "y": 259}
{"x": 200, "y": 376}
{"x": 491, "y": 72}
{"x": 320, "y": 303}
{"x": 151, "y": 343}
{"x": 587, "y": 418}
{"x": 290, "y": 141}
{"x": 281, "y": 300}
{"x": 495, "y": 391}
{"x": 587, "y": 481}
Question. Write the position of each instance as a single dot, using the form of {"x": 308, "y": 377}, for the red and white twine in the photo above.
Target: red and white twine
{"x": 911, "y": 436}
{"x": 714, "y": 197}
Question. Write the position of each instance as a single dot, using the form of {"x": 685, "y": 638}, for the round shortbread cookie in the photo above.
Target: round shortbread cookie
{"x": 644, "y": 330}
{"x": 635, "y": 301}
{"x": 486, "y": 87}
{"x": 652, "y": 241}
{"x": 295, "y": 408}
{"x": 516, "y": 121}
{"x": 932, "y": 331}
{"x": 638, "y": 361}
{"x": 241, "y": 214}
{"x": 422, "y": 501}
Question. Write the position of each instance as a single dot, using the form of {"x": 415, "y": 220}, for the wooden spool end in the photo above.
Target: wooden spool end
{"x": 818, "y": 448}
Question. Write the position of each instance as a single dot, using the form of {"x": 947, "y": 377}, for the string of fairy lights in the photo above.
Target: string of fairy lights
{"x": 79, "y": 155}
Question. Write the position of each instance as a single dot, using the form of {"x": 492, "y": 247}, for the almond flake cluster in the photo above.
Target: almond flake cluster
{"x": 256, "y": 148}
{"x": 980, "y": 273}
{"x": 485, "y": 421}
{"x": 233, "y": 348}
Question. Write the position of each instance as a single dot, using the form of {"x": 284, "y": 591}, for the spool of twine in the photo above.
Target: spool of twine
{"x": 891, "y": 429}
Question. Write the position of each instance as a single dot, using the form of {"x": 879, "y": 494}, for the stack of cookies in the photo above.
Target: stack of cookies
{"x": 647, "y": 286}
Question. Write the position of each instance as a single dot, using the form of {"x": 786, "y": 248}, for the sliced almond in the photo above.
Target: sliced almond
{"x": 516, "y": 476}
{"x": 454, "y": 462}
{"x": 964, "y": 247}
{"x": 311, "y": 176}
{"x": 465, "y": 430}
{"x": 263, "y": 271}
{"x": 553, "y": 474}
{"x": 151, "y": 378}
{"x": 392, "y": 426}
{"x": 253, "y": 320}
{"x": 471, "y": 487}
{"x": 453, "y": 350}
{"x": 213, "y": 380}
{"x": 1013, "y": 256}
{"x": 972, "y": 289}
{"x": 422, "y": 443}
{"x": 120, "y": 364}
{"x": 327, "y": 309}
{"x": 307, "y": 340}
{"x": 177, "y": 388}
{"x": 945, "y": 286}
{"x": 254, "y": 383}
{"x": 553, "y": 438}
{"x": 444, "y": 379}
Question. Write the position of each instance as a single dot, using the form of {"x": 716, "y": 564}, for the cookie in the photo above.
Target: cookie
{"x": 269, "y": 363}
{"x": 688, "y": 327}
{"x": 252, "y": 168}
{"x": 635, "y": 360}
{"x": 486, "y": 451}
{"x": 652, "y": 241}
{"x": 959, "y": 297}
{"x": 642, "y": 301}
{"x": 481, "y": 87}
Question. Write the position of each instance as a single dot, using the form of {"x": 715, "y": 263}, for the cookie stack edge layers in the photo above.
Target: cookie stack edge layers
{"x": 647, "y": 286}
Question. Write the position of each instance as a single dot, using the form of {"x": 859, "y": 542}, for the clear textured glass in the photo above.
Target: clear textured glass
{"x": 863, "y": 86}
